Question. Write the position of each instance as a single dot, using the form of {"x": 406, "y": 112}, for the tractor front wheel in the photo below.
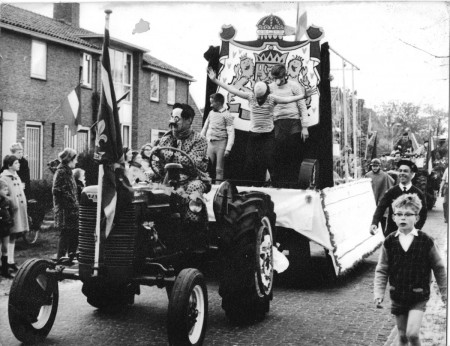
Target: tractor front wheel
{"x": 33, "y": 302}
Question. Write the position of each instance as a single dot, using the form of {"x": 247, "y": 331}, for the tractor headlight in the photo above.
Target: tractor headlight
{"x": 195, "y": 206}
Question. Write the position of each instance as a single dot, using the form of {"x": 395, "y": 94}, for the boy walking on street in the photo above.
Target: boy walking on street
{"x": 219, "y": 132}
{"x": 406, "y": 260}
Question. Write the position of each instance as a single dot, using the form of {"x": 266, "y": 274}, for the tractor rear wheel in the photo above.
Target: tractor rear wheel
{"x": 247, "y": 279}
{"x": 108, "y": 296}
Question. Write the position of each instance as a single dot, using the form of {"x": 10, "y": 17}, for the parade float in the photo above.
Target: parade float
{"x": 336, "y": 218}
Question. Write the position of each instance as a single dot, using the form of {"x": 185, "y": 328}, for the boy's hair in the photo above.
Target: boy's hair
{"x": 77, "y": 173}
{"x": 278, "y": 71}
{"x": 218, "y": 97}
{"x": 8, "y": 161}
{"x": 410, "y": 200}
{"x": 3, "y": 184}
{"x": 134, "y": 153}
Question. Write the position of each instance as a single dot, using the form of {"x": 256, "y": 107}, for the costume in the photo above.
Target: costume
{"x": 219, "y": 132}
{"x": 6, "y": 216}
{"x": 386, "y": 202}
{"x": 409, "y": 272}
{"x": 288, "y": 142}
{"x": 195, "y": 146}
{"x": 66, "y": 208}
{"x": 18, "y": 201}
{"x": 260, "y": 145}
{"x": 381, "y": 182}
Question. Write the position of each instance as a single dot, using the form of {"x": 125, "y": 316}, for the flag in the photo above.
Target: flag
{"x": 108, "y": 147}
{"x": 302, "y": 25}
{"x": 71, "y": 109}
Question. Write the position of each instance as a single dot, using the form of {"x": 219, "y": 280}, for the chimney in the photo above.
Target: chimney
{"x": 67, "y": 12}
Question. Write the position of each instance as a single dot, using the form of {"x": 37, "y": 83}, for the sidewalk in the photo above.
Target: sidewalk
{"x": 433, "y": 331}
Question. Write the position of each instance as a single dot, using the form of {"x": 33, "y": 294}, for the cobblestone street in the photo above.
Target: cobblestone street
{"x": 340, "y": 315}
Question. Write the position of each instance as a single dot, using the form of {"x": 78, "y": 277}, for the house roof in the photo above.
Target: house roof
{"x": 155, "y": 64}
{"x": 18, "y": 19}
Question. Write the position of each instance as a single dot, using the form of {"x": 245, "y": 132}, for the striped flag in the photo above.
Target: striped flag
{"x": 114, "y": 185}
{"x": 71, "y": 109}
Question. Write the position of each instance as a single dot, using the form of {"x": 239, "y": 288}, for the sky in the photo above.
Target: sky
{"x": 399, "y": 49}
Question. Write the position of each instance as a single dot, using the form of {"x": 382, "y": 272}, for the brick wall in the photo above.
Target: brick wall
{"x": 38, "y": 100}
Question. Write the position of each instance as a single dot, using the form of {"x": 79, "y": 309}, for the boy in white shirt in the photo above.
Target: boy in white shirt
{"x": 219, "y": 132}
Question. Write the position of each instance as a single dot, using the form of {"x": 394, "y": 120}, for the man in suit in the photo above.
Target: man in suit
{"x": 406, "y": 171}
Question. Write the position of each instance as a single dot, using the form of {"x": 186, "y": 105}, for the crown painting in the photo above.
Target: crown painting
{"x": 243, "y": 63}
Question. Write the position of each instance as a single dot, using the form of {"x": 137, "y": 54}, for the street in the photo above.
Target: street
{"x": 342, "y": 314}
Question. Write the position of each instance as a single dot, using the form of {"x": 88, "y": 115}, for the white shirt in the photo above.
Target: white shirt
{"x": 406, "y": 239}
{"x": 407, "y": 186}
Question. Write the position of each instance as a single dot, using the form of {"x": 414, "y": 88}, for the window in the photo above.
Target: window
{"x": 87, "y": 70}
{"x": 126, "y": 137}
{"x": 38, "y": 59}
{"x": 79, "y": 141}
{"x": 121, "y": 73}
{"x": 33, "y": 148}
{"x": 154, "y": 86}
{"x": 171, "y": 91}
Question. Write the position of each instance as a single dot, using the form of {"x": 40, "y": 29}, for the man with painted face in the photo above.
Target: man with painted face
{"x": 290, "y": 131}
{"x": 381, "y": 182}
{"x": 406, "y": 170}
{"x": 181, "y": 136}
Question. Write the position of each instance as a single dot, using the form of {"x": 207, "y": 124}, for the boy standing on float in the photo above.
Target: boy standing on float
{"x": 290, "y": 130}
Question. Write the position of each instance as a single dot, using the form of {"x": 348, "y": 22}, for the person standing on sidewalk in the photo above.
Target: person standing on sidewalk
{"x": 381, "y": 182}
{"x": 290, "y": 129}
{"x": 9, "y": 175}
{"x": 406, "y": 260}
{"x": 65, "y": 203}
{"x": 6, "y": 221}
{"x": 24, "y": 171}
{"x": 406, "y": 171}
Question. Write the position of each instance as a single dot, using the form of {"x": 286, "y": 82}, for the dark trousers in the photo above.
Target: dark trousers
{"x": 68, "y": 241}
{"x": 287, "y": 158}
{"x": 259, "y": 155}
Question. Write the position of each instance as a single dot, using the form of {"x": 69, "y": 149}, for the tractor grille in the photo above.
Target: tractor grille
{"x": 119, "y": 246}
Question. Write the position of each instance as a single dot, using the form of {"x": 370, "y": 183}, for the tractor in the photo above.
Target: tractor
{"x": 151, "y": 245}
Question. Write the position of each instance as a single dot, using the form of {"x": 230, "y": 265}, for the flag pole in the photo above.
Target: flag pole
{"x": 98, "y": 235}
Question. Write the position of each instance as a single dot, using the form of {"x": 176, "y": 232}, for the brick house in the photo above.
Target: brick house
{"x": 43, "y": 59}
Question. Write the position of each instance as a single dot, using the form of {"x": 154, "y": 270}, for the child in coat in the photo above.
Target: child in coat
{"x": 6, "y": 221}
{"x": 406, "y": 260}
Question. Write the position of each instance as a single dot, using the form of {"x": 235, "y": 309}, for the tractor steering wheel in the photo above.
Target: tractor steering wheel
{"x": 156, "y": 154}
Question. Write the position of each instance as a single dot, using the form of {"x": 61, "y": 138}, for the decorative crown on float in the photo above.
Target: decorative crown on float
{"x": 270, "y": 27}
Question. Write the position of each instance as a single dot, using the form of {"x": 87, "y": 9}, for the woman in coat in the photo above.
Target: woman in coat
{"x": 65, "y": 203}
{"x": 9, "y": 175}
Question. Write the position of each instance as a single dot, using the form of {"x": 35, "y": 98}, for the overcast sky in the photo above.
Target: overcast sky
{"x": 378, "y": 37}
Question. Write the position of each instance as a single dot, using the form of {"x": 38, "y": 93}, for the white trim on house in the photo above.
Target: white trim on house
{"x": 38, "y": 170}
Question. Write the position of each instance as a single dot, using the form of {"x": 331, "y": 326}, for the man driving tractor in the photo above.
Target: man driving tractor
{"x": 190, "y": 151}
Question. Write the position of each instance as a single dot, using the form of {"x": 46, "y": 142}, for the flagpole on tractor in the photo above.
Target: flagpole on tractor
{"x": 98, "y": 236}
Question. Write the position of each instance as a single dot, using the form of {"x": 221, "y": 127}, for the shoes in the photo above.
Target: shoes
{"x": 8, "y": 275}
{"x": 13, "y": 267}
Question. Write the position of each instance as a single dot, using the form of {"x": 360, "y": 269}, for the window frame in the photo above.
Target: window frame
{"x": 38, "y": 72}
{"x": 171, "y": 90}
{"x": 87, "y": 70}
{"x": 154, "y": 98}
{"x": 39, "y": 125}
